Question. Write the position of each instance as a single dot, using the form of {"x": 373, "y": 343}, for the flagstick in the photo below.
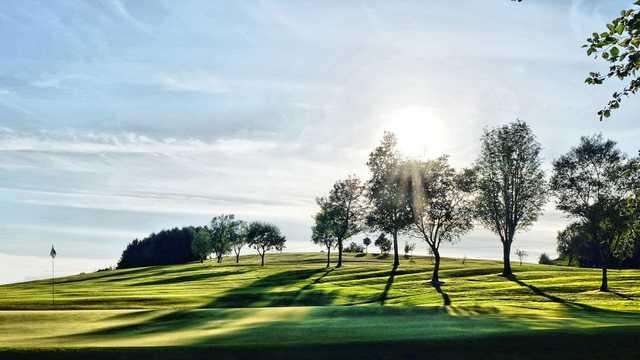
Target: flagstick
{"x": 53, "y": 283}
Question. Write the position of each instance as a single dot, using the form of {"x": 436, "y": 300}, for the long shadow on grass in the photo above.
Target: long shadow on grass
{"x": 555, "y": 299}
{"x": 188, "y": 278}
{"x": 385, "y": 293}
{"x": 445, "y": 297}
{"x": 619, "y": 294}
{"x": 264, "y": 291}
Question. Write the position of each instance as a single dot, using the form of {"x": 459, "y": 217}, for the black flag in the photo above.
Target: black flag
{"x": 53, "y": 252}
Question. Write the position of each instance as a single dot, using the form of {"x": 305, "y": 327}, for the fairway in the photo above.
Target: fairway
{"x": 294, "y": 302}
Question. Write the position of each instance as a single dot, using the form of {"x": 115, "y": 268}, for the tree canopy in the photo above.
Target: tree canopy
{"x": 390, "y": 210}
{"x": 264, "y": 237}
{"x": 440, "y": 204}
{"x": 511, "y": 186}
{"x": 619, "y": 46}
{"x": 590, "y": 184}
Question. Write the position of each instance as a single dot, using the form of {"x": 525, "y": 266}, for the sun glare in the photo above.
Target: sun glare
{"x": 419, "y": 131}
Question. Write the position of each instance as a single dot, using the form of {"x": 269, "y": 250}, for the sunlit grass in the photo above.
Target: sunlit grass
{"x": 295, "y": 300}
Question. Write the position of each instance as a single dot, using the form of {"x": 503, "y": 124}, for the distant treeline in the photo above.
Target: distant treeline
{"x": 164, "y": 248}
{"x": 222, "y": 236}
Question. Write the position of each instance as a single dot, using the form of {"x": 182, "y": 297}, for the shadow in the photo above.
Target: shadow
{"x": 265, "y": 291}
{"x": 554, "y": 298}
{"x": 385, "y": 293}
{"x": 188, "y": 278}
{"x": 619, "y": 294}
{"x": 445, "y": 297}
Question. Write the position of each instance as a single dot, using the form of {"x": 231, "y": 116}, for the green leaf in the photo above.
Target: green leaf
{"x": 614, "y": 51}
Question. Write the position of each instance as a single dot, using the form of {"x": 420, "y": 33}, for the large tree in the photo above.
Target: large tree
{"x": 511, "y": 186}
{"x": 390, "y": 205}
{"x": 264, "y": 237}
{"x": 440, "y": 204}
{"x": 345, "y": 210}
{"x": 590, "y": 185}
{"x": 223, "y": 230}
{"x": 323, "y": 233}
{"x": 618, "y": 45}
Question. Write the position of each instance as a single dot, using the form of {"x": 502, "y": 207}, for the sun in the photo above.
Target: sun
{"x": 420, "y": 132}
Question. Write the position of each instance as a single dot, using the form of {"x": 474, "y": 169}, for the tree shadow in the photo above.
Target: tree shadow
{"x": 265, "y": 292}
{"x": 445, "y": 297}
{"x": 619, "y": 294}
{"x": 555, "y": 299}
{"x": 188, "y": 278}
{"x": 385, "y": 293}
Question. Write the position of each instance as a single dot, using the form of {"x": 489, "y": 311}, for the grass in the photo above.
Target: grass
{"x": 295, "y": 304}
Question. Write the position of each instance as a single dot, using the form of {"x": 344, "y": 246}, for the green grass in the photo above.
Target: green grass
{"x": 295, "y": 303}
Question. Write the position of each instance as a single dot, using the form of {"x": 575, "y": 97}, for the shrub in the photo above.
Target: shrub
{"x": 545, "y": 259}
{"x": 354, "y": 248}
{"x": 383, "y": 243}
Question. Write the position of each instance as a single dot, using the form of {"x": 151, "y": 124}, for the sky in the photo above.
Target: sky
{"x": 122, "y": 118}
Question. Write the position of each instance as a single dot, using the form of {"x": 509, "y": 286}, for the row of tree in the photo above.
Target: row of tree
{"x": 504, "y": 191}
{"x": 224, "y": 235}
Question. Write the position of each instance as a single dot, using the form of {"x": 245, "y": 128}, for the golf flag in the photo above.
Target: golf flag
{"x": 53, "y": 252}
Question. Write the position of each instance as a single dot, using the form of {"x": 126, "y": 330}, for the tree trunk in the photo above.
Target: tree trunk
{"x": 262, "y": 259}
{"x": 339, "y": 254}
{"x": 396, "y": 259}
{"x": 605, "y": 283}
{"x": 506, "y": 259}
{"x": 435, "y": 280}
{"x": 237, "y": 257}
{"x": 328, "y": 256}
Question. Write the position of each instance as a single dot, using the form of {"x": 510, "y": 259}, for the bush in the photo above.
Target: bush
{"x": 354, "y": 248}
{"x": 545, "y": 259}
{"x": 383, "y": 243}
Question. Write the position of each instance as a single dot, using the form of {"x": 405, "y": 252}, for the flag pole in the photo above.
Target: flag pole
{"x": 53, "y": 279}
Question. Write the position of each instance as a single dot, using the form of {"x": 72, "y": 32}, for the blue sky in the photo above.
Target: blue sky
{"x": 120, "y": 118}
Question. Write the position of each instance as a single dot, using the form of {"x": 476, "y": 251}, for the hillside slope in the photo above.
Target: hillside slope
{"x": 303, "y": 280}
{"x": 294, "y": 301}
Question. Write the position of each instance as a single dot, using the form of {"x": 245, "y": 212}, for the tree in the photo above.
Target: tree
{"x": 223, "y": 230}
{"x": 239, "y": 239}
{"x": 589, "y": 185}
{"x": 163, "y": 248}
{"x": 390, "y": 209}
{"x": 383, "y": 243}
{"x": 345, "y": 208}
{"x": 322, "y": 232}
{"x": 620, "y": 47}
{"x": 511, "y": 187}
{"x": 264, "y": 237}
{"x": 366, "y": 242}
{"x": 201, "y": 244}
{"x": 408, "y": 249}
{"x": 521, "y": 255}
{"x": 440, "y": 204}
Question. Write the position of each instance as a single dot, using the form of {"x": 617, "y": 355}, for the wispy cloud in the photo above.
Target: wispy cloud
{"x": 194, "y": 82}
{"x": 95, "y": 143}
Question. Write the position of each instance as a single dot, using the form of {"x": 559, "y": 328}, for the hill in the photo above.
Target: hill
{"x": 295, "y": 301}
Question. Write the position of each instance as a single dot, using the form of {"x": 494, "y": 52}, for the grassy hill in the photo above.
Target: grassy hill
{"x": 295, "y": 303}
